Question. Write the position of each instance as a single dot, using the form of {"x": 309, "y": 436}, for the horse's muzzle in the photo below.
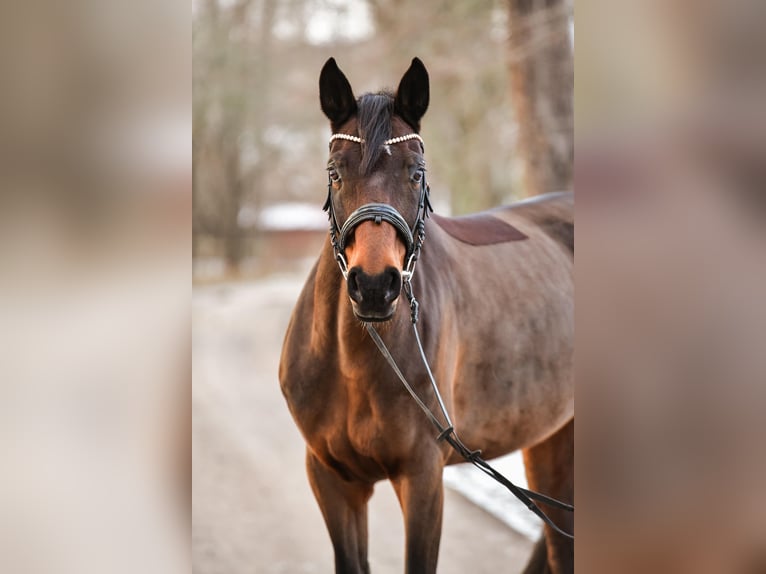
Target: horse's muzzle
{"x": 373, "y": 297}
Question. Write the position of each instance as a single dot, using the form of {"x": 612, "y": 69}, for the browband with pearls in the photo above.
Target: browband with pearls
{"x": 356, "y": 139}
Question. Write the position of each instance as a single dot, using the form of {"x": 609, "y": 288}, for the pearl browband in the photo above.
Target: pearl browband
{"x": 356, "y": 139}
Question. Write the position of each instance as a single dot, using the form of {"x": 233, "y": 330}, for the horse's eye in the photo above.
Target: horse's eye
{"x": 417, "y": 176}
{"x": 334, "y": 175}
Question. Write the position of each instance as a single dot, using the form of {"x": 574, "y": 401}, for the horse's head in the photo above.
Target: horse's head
{"x": 377, "y": 190}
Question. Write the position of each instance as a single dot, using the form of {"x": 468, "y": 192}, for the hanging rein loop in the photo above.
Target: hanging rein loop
{"x": 414, "y": 239}
{"x": 447, "y": 431}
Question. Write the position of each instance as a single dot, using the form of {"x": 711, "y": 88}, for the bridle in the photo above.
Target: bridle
{"x": 414, "y": 238}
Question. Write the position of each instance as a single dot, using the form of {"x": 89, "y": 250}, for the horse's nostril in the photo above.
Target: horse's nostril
{"x": 395, "y": 285}
{"x": 353, "y": 285}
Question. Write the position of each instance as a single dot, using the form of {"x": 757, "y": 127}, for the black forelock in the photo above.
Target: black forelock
{"x": 374, "y": 114}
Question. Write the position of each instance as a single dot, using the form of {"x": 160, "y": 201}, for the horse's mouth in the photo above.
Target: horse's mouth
{"x": 375, "y": 318}
{"x": 374, "y": 315}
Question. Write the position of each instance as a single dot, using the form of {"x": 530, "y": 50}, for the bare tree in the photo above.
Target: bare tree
{"x": 259, "y": 137}
{"x": 231, "y": 107}
{"x": 542, "y": 84}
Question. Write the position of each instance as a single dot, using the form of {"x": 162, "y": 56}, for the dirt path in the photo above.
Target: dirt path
{"x": 253, "y": 510}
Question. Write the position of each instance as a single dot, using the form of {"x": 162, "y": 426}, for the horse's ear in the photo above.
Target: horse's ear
{"x": 413, "y": 94}
{"x": 335, "y": 94}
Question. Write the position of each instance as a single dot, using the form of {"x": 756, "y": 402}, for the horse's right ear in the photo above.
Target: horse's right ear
{"x": 335, "y": 94}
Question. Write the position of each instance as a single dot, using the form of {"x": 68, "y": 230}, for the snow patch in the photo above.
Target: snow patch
{"x": 494, "y": 497}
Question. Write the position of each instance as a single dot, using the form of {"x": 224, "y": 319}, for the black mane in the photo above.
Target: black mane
{"x": 374, "y": 113}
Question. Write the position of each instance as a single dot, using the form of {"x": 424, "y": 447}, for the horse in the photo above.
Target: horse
{"x": 496, "y": 314}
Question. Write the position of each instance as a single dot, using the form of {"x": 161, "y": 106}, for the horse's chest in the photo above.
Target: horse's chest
{"x": 353, "y": 424}
{"x": 354, "y": 440}
{"x": 356, "y": 449}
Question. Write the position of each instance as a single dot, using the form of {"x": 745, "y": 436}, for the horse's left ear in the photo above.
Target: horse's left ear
{"x": 413, "y": 94}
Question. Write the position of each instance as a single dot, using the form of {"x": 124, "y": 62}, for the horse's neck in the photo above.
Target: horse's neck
{"x": 336, "y": 329}
{"x": 332, "y": 310}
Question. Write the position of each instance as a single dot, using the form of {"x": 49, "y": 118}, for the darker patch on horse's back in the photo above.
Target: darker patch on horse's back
{"x": 374, "y": 115}
{"x": 479, "y": 229}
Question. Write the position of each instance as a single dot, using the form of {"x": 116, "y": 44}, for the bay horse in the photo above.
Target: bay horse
{"x": 496, "y": 316}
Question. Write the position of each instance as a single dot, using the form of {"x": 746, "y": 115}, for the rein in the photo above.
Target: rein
{"x": 449, "y": 434}
{"x": 414, "y": 239}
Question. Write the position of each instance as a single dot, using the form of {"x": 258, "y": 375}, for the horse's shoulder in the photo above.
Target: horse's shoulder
{"x": 294, "y": 363}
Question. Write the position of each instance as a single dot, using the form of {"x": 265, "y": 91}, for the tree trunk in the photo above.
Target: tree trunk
{"x": 542, "y": 85}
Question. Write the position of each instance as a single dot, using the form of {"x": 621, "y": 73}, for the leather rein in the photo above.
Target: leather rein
{"x": 414, "y": 238}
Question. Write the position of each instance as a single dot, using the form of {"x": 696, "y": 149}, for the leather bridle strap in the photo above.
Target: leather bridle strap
{"x": 380, "y": 212}
{"x": 377, "y": 212}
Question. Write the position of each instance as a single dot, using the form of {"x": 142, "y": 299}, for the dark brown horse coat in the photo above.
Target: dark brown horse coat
{"x": 497, "y": 324}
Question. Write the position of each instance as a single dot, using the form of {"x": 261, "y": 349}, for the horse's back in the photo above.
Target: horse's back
{"x": 551, "y": 212}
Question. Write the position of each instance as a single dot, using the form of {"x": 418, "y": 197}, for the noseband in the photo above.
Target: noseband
{"x": 379, "y": 212}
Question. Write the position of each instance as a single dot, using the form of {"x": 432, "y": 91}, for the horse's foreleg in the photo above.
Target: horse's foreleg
{"x": 344, "y": 506}
{"x": 421, "y": 497}
{"x": 550, "y": 470}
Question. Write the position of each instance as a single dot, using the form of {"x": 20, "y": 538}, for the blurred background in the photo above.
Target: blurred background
{"x": 499, "y": 128}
